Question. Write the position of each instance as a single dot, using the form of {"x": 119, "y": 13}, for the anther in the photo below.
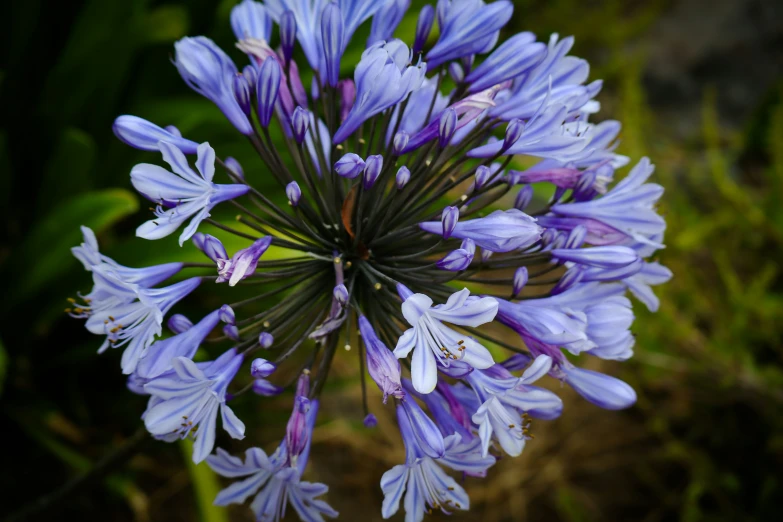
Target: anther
{"x": 306, "y": 371}
{"x": 347, "y": 347}
{"x": 266, "y": 324}
{"x": 337, "y": 260}
{"x": 377, "y": 286}
{"x": 347, "y": 264}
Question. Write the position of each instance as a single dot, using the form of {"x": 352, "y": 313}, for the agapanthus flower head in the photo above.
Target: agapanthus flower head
{"x": 392, "y": 196}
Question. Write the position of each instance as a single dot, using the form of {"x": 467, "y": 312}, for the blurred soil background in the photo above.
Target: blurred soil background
{"x": 698, "y": 87}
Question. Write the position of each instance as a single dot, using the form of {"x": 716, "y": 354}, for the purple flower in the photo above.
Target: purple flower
{"x": 386, "y": 20}
{"x": 467, "y": 27}
{"x": 456, "y": 260}
{"x": 505, "y": 398}
{"x": 349, "y": 166}
{"x": 501, "y": 231}
{"x": 210, "y": 72}
{"x": 600, "y": 256}
{"x": 261, "y": 368}
{"x": 211, "y": 246}
{"x": 402, "y": 177}
{"x": 332, "y": 38}
{"x": 243, "y": 264}
{"x": 294, "y": 193}
{"x": 182, "y": 194}
{"x": 639, "y": 283}
{"x": 267, "y": 89}
{"x": 628, "y": 207}
{"x": 372, "y": 169}
{"x": 144, "y": 135}
{"x": 178, "y": 324}
{"x": 423, "y": 27}
{"x": 159, "y": 356}
{"x": 436, "y": 343}
{"x": 127, "y": 314}
{"x": 383, "y": 78}
{"x": 383, "y": 367}
{"x": 250, "y": 19}
{"x": 186, "y": 401}
{"x": 92, "y": 259}
{"x": 514, "y": 57}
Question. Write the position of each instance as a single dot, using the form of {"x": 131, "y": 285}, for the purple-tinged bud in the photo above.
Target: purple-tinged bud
{"x": 423, "y": 27}
{"x": 144, "y": 135}
{"x": 178, "y": 323}
{"x": 558, "y": 242}
{"x": 520, "y": 280}
{"x": 261, "y": 368}
{"x": 549, "y": 236}
{"x": 572, "y": 276}
{"x": 447, "y": 126}
{"x": 370, "y": 421}
{"x": 483, "y": 174}
{"x": 600, "y": 256}
{"x": 265, "y": 388}
{"x": 242, "y": 93}
{"x": 469, "y": 245}
{"x": 211, "y": 246}
{"x": 349, "y": 166}
{"x": 576, "y": 237}
{"x": 300, "y": 121}
{"x": 227, "y": 314}
{"x": 297, "y": 434}
{"x": 232, "y": 332}
{"x": 251, "y": 75}
{"x": 402, "y": 178}
{"x": 288, "y": 34}
{"x": 403, "y": 291}
{"x": 172, "y": 129}
{"x": 524, "y": 197}
{"x": 583, "y": 190}
{"x": 341, "y": 294}
{"x": 243, "y": 263}
{"x": 382, "y": 365}
{"x": 372, "y": 170}
{"x": 400, "y": 142}
{"x": 347, "y": 90}
{"x": 449, "y": 218}
{"x": 303, "y": 385}
{"x": 265, "y": 340}
{"x": 233, "y": 165}
{"x": 456, "y": 72}
{"x": 485, "y": 255}
{"x": 293, "y": 192}
{"x": 332, "y": 38}
{"x": 514, "y": 130}
{"x": 456, "y": 260}
{"x": 267, "y": 89}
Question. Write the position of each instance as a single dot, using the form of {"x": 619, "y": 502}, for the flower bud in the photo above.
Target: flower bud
{"x": 267, "y": 89}
{"x": 514, "y": 130}
{"x": 349, "y": 166}
{"x": 524, "y": 197}
{"x": 261, "y": 368}
{"x": 483, "y": 174}
{"x": 300, "y": 121}
{"x": 293, "y": 192}
{"x": 144, "y": 135}
{"x": 372, "y": 170}
{"x": 233, "y": 165}
{"x": 332, "y": 38}
{"x": 456, "y": 72}
{"x": 402, "y": 178}
{"x": 232, "y": 332}
{"x": 288, "y": 34}
{"x": 449, "y": 218}
{"x": 572, "y": 276}
{"x": 576, "y": 237}
{"x": 447, "y": 126}
{"x": 520, "y": 280}
{"x": 456, "y": 260}
{"x": 211, "y": 246}
{"x": 370, "y": 421}
{"x": 251, "y": 75}
{"x": 227, "y": 314}
{"x": 265, "y": 388}
{"x": 242, "y": 93}
{"x": 243, "y": 263}
{"x": 265, "y": 340}
{"x": 423, "y": 27}
{"x": 178, "y": 323}
{"x": 341, "y": 294}
{"x": 347, "y": 90}
{"x": 400, "y": 142}
{"x": 468, "y": 245}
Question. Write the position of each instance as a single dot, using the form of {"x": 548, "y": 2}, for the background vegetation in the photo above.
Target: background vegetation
{"x": 698, "y": 88}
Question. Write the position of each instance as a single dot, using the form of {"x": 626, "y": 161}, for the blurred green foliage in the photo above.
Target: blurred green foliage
{"x": 704, "y": 442}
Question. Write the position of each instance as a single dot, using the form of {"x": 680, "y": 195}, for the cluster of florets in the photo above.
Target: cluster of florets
{"x": 400, "y": 194}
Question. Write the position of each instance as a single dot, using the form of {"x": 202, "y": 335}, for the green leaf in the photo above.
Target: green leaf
{"x": 205, "y": 486}
{"x": 46, "y": 253}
